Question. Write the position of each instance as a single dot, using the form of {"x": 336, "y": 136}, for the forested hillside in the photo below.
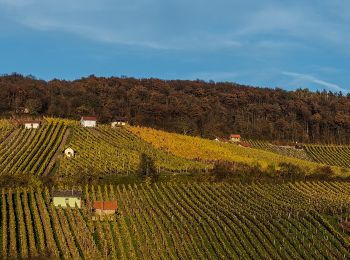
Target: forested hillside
{"x": 207, "y": 109}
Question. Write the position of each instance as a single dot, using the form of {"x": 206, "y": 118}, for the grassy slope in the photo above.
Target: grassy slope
{"x": 195, "y": 147}
{"x": 104, "y": 150}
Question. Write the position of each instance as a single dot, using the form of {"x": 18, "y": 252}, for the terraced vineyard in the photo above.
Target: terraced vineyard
{"x": 106, "y": 150}
{"x": 330, "y": 154}
{"x": 181, "y": 221}
{"x": 30, "y": 150}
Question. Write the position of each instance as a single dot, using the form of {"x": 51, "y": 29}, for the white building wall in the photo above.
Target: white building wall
{"x": 31, "y": 125}
{"x": 63, "y": 202}
{"x": 114, "y": 124}
{"x": 88, "y": 123}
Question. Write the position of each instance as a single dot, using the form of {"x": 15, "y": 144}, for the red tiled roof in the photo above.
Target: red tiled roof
{"x": 31, "y": 122}
{"x": 105, "y": 205}
{"x": 235, "y": 136}
{"x": 67, "y": 193}
{"x": 89, "y": 118}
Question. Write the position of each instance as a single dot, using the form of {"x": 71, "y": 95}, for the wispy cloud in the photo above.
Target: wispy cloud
{"x": 104, "y": 35}
{"x": 161, "y": 25}
{"x": 306, "y": 78}
{"x": 192, "y": 39}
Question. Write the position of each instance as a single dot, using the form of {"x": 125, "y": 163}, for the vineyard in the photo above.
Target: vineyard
{"x": 105, "y": 150}
{"x": 196, "y": 148}
{"x": 5, "y": 128}
{"x": 167, "y": 220}
{"x": 282, "y": 150}
{"x": 182, "y": 221}
{"x": 336, "y": 155}
{"x": 331, "y": 155}
{"x": 27, "y": 151}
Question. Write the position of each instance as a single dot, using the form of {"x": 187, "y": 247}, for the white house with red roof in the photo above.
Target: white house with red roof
{"x": 88, "y": 121}
{"x": 235, "y": 138}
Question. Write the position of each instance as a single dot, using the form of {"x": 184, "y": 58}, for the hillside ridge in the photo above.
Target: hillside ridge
{"x": 207, "y": 109}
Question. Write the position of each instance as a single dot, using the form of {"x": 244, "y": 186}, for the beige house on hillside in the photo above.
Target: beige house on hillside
{"x": 67, "y": 197}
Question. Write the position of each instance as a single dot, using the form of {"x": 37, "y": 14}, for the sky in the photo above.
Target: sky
{"x": 288, "y": 44}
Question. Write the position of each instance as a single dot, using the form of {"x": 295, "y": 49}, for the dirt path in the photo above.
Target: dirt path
{"x": 57, "y": 153}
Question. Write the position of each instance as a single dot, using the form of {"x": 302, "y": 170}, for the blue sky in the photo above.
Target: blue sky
{"x": 287, "y": 44}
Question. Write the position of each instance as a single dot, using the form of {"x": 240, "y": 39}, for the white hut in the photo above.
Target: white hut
{"x": 88, "y": 121}
{"x": 121, "y": 121}
{"x": 69, "y": 152}
{"x": 31, "y": 124}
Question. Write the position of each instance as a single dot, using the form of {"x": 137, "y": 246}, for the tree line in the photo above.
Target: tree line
{"x": 207, "y": 109}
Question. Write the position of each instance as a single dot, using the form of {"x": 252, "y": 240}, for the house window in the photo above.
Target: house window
{"x": 67, "y": 200}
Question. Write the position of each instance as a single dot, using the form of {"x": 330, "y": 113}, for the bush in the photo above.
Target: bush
{"x": 290, "y": 171}
{"x": 323, "y": 173}
{"x": 221, "y": 170}
{"x": 224, "y": 170}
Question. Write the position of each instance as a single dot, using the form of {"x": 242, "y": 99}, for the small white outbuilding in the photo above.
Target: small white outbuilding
{"x": 121, "y": 121}
{"x": 69, "y": 152}
{"x": 31, "y": 124}
{"x": 88, "y": 121}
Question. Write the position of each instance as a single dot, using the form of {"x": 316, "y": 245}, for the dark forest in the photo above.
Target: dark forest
{"x": 206, "y": 109}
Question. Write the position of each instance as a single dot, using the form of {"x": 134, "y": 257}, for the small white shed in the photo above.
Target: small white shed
{"x": 69, "y": 152}
{"x": 121, "y": 121}
{"x": 88, "y": 121}
{"x": 31, "y": 124}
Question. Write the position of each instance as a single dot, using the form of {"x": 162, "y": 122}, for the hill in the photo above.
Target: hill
{"x": 188, "y": 213}
{"x": 196, "y": 148}
{"x": 181, "y": 221}
{"x": 29, "y": 151}
{"x": 336, "y": 155}
{"x": 199, "y": 108}
{"x": 106, "y": 152}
